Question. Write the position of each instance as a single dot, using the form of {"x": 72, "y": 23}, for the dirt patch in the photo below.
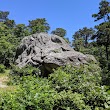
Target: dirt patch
{"x": 2, "y": 85}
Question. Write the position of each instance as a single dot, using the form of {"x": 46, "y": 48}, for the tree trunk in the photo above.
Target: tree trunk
{"x": 86, "y": 42}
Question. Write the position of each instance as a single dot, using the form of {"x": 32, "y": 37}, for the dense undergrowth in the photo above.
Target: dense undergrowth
{"x": 67, "y": 88}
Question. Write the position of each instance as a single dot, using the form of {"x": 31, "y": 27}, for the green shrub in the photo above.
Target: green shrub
{"x": 78, "y": 79}
{"x": 67, "y": 100}
{"x": 67, "y": 88}
{"x": 106, "y": 76}
{"x": 2, "y": 68}
{"x": 85, "y": 80}
{"x": 33, "y": 94}
{"x": 37, "y": 94}
{"x": 17, "y": 74}
{"x": 25, "y": 71}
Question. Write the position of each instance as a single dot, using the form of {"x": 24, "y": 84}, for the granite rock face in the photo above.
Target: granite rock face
{"x": 48, "y": 52}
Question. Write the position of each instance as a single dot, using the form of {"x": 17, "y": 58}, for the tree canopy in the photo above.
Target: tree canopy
{"x": 38, "y": 25}
{"x": 59, "y": 31}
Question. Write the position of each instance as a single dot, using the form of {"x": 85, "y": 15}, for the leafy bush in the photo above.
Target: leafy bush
{"x": 25, "y": 71}
{"x": 77, "y": 79}
{"x": 67, "y": 88}
{"x": 33, "y": 94}
{"x": 2, "y": 68}
{"x": 67, "y": 100}
{"x": 16, "y": 74}
{"x": 106, "y": 76}
{"x": 37, "y": 94}
{"x": 85, "y": 81}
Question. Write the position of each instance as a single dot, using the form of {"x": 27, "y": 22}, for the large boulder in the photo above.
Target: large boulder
{"x": 48, "y": 52}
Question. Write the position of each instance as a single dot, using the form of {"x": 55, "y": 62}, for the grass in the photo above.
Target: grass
{"x": 6, "y": 73}
{"x": 4, "y": 78}
{"x": 8, "y": 89}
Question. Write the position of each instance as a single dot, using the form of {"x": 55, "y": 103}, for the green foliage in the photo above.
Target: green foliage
{"x": 104, "y": 10}
{"x": 100, "y": 47}
{"x": 17, "y": 73}
{"x": 59, "y": 32}
{"x": 103, "y": 29}
{"x": 78, "y": 44}
{"x": 21, "y": 31}
{"x": 62, "y": 33}
{"x": 3, "y": 16}
{"x": 84, "y": 81}
{"x": 67, "y": 100}
{"x": 7, "y": 45}
{"x": 9, "y": 23}
{"x": 102, "y": 37}
{"x": 33, "y": 94}
{"x": 77, "y": 79}
{"x": 103, "y": 33}
{"x": 6, "y": 51}
{"x": 4, "y": 30}
{"x": 2, "y": 68}
{"x": 67, "y": 88}
{"x": 38, "y": 25}
{"x": 106, "y": 76}
{"x": 81, "y": 38}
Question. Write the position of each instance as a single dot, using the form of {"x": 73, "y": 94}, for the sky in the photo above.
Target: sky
{"x": 71, "y": 15}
